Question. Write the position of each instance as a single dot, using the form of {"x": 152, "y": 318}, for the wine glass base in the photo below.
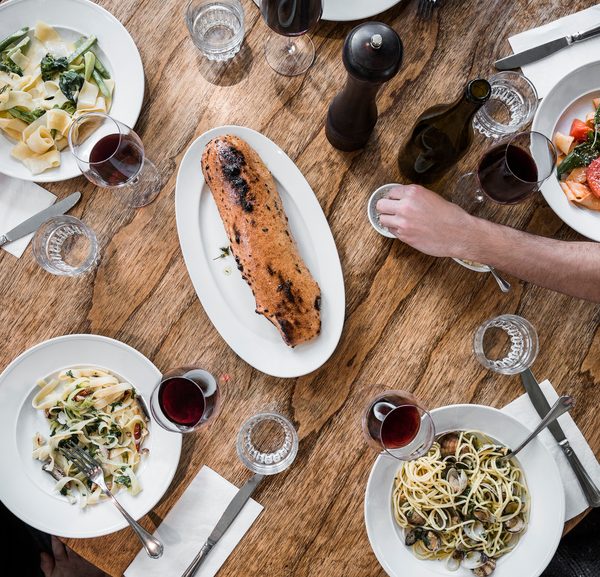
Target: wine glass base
{"x": 290, "y": 56}
{"x": 143, "y": 188}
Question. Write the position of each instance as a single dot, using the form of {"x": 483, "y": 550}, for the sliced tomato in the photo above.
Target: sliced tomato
{"x": 593, "y": 177}
{"x": 579, "y": 130}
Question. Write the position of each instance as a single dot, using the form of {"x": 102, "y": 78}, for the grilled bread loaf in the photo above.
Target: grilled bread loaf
{"x": 260, "y": 239}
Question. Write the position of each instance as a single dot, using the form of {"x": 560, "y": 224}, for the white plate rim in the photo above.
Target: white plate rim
{"x": 357, "y": 11}
{"x": 187, "y": 209}
{"x": 535, "y": 444}
{"x": 134, "y": 96}
{"x": 174, "y": 440}
{"x": 550, "y": 189}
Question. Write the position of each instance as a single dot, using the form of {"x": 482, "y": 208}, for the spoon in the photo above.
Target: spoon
{"x": 564, "y": 404}
{"x": 503, "y": 284}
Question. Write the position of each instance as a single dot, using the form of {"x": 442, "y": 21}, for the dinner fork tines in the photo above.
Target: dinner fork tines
{"x": 93, "y": 471}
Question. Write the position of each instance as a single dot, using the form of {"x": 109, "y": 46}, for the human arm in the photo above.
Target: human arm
{"x": 427, "y": 222}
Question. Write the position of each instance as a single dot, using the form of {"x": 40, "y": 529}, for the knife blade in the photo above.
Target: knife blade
{"x": 543, "y": 50}
{"x": 34, "y": 222}
{"x": 541, "y": 405}
{"x": 227, "y": 518}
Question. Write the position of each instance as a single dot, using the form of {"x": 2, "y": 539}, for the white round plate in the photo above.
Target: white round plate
{"x": 28, "y": 491}
{"x": 536, "y": 546}
{"x": 571, "y": 98}
{"x": 115, "y": 47}
{"x": 345, "y": 10}
{"x": 225, "y": 296}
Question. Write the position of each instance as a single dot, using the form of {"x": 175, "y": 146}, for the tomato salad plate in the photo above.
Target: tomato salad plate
{"x": 569, "y": 115}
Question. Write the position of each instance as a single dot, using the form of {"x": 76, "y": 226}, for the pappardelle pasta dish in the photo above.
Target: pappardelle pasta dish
{"x": 460, "y": 503}
{"x": 46, "y": 82}
{"x": 100, "y": 413}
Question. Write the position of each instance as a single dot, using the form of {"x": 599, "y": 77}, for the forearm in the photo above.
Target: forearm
{"x": 572, "y": 268}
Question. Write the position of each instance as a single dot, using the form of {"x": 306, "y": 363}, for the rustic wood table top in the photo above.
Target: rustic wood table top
{"x": 410, "y": 318}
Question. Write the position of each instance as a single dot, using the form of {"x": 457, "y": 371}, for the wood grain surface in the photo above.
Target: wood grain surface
{"x": 410, "y": 318}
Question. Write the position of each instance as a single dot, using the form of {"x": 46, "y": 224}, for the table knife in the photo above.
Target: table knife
{"x": 543, "y": 50}
{"x": 34, "y": 222}
{"x": 541, "y": 405}
{"x": 232, "y": 511}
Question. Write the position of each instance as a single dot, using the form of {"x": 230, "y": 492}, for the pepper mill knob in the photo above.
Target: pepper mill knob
{"x": 372, "y": 55}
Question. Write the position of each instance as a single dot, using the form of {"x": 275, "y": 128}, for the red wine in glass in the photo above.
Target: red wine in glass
{"x": 508, "y": 174}
{"x": 396, "y": 423}
{"x": 291, "y": 17}
{"x": 185, "y": 399}
{"x": 181, "y": 401}
{"x": 116, "y": 159}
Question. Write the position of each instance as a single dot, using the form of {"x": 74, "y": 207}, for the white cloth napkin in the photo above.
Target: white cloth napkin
{"x": 545, "y": 73}
{"x": 20, "y": 199}
{"x": 188, "y": 524}
{"x": 522, "y": 409}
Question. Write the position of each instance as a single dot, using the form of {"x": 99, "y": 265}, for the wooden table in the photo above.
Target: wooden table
{"x": 409, "y": 318}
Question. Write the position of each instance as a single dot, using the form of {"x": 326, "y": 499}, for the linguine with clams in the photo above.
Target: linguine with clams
{"x": 460, "y": 503}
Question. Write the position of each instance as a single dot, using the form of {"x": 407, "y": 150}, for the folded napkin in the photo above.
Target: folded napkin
{"x": 545, "y": 73}
{"x": 189, "y": 523}
{"x": 524, "y": 412}
{"x": 20, "y": 199}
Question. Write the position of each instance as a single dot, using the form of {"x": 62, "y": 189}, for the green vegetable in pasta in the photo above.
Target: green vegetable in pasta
{"x": 18, "y": 47}
{"x": 27, "y": 116}
{"x": 11, "y": 67}
{"x": 82, "y": 48}
{"x": 90, "y": 61}
{"x": 100, "y": 82}
{"x": 70, "y": 84}
{"x": 582, "y": 155}
{"x": 98, "y": 63}
{"x": 14, "y": 38}
{"x": 51, "y": 66}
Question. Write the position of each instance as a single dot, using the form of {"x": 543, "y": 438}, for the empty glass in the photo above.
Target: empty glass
{"x": 65, "y": 246}
{"x": 507, "y": 344}
{"x": 267, "y": 443}
{"x": 111, "y": 155}
{"x": 216, "y": 27}
{"x": 395, "y": 423}
{"x": 511, "y": 106}
{"x": 185, "y": 399}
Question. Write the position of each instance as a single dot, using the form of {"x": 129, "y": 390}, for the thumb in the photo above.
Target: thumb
{"x": 46, "y": 564}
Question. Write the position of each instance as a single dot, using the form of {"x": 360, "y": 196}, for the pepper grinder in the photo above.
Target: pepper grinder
{"x": 372, "y": 55}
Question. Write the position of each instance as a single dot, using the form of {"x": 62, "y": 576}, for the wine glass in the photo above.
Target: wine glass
{"x": 185, "y": 399}
{"x": 111, "y": 155}
{"x": 292, "y": 52}
{"x": 395, "y": 423}
{"x": 508, "y": 173}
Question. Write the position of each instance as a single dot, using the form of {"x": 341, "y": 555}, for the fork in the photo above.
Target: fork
{"x": 425, "y": 8}
{"x": 93, "y": 471}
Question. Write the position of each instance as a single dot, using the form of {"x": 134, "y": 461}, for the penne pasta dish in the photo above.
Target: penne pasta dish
{"x": 97, "y": 411}
{"x": 46, "y": 82}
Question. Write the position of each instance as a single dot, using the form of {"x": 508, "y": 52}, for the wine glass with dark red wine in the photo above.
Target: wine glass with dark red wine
{"x": 185, "y": 399}
{"x": 395, "y": 423}
{"x": 111, "y": 155}
{"x": 509, "y": 172}
{"x": 292, "y": 52}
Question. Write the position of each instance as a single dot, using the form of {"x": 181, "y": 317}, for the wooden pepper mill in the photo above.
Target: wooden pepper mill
{"x": 372, "y": 55}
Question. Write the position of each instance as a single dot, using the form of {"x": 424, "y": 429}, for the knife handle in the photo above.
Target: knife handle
{"x": 591, "y": 492}
{"x": 579, "y": 36}
{"x": 198, "y": 559}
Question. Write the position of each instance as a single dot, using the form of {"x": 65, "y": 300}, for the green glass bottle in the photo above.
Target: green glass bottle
{"x": 442, "y": 135}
